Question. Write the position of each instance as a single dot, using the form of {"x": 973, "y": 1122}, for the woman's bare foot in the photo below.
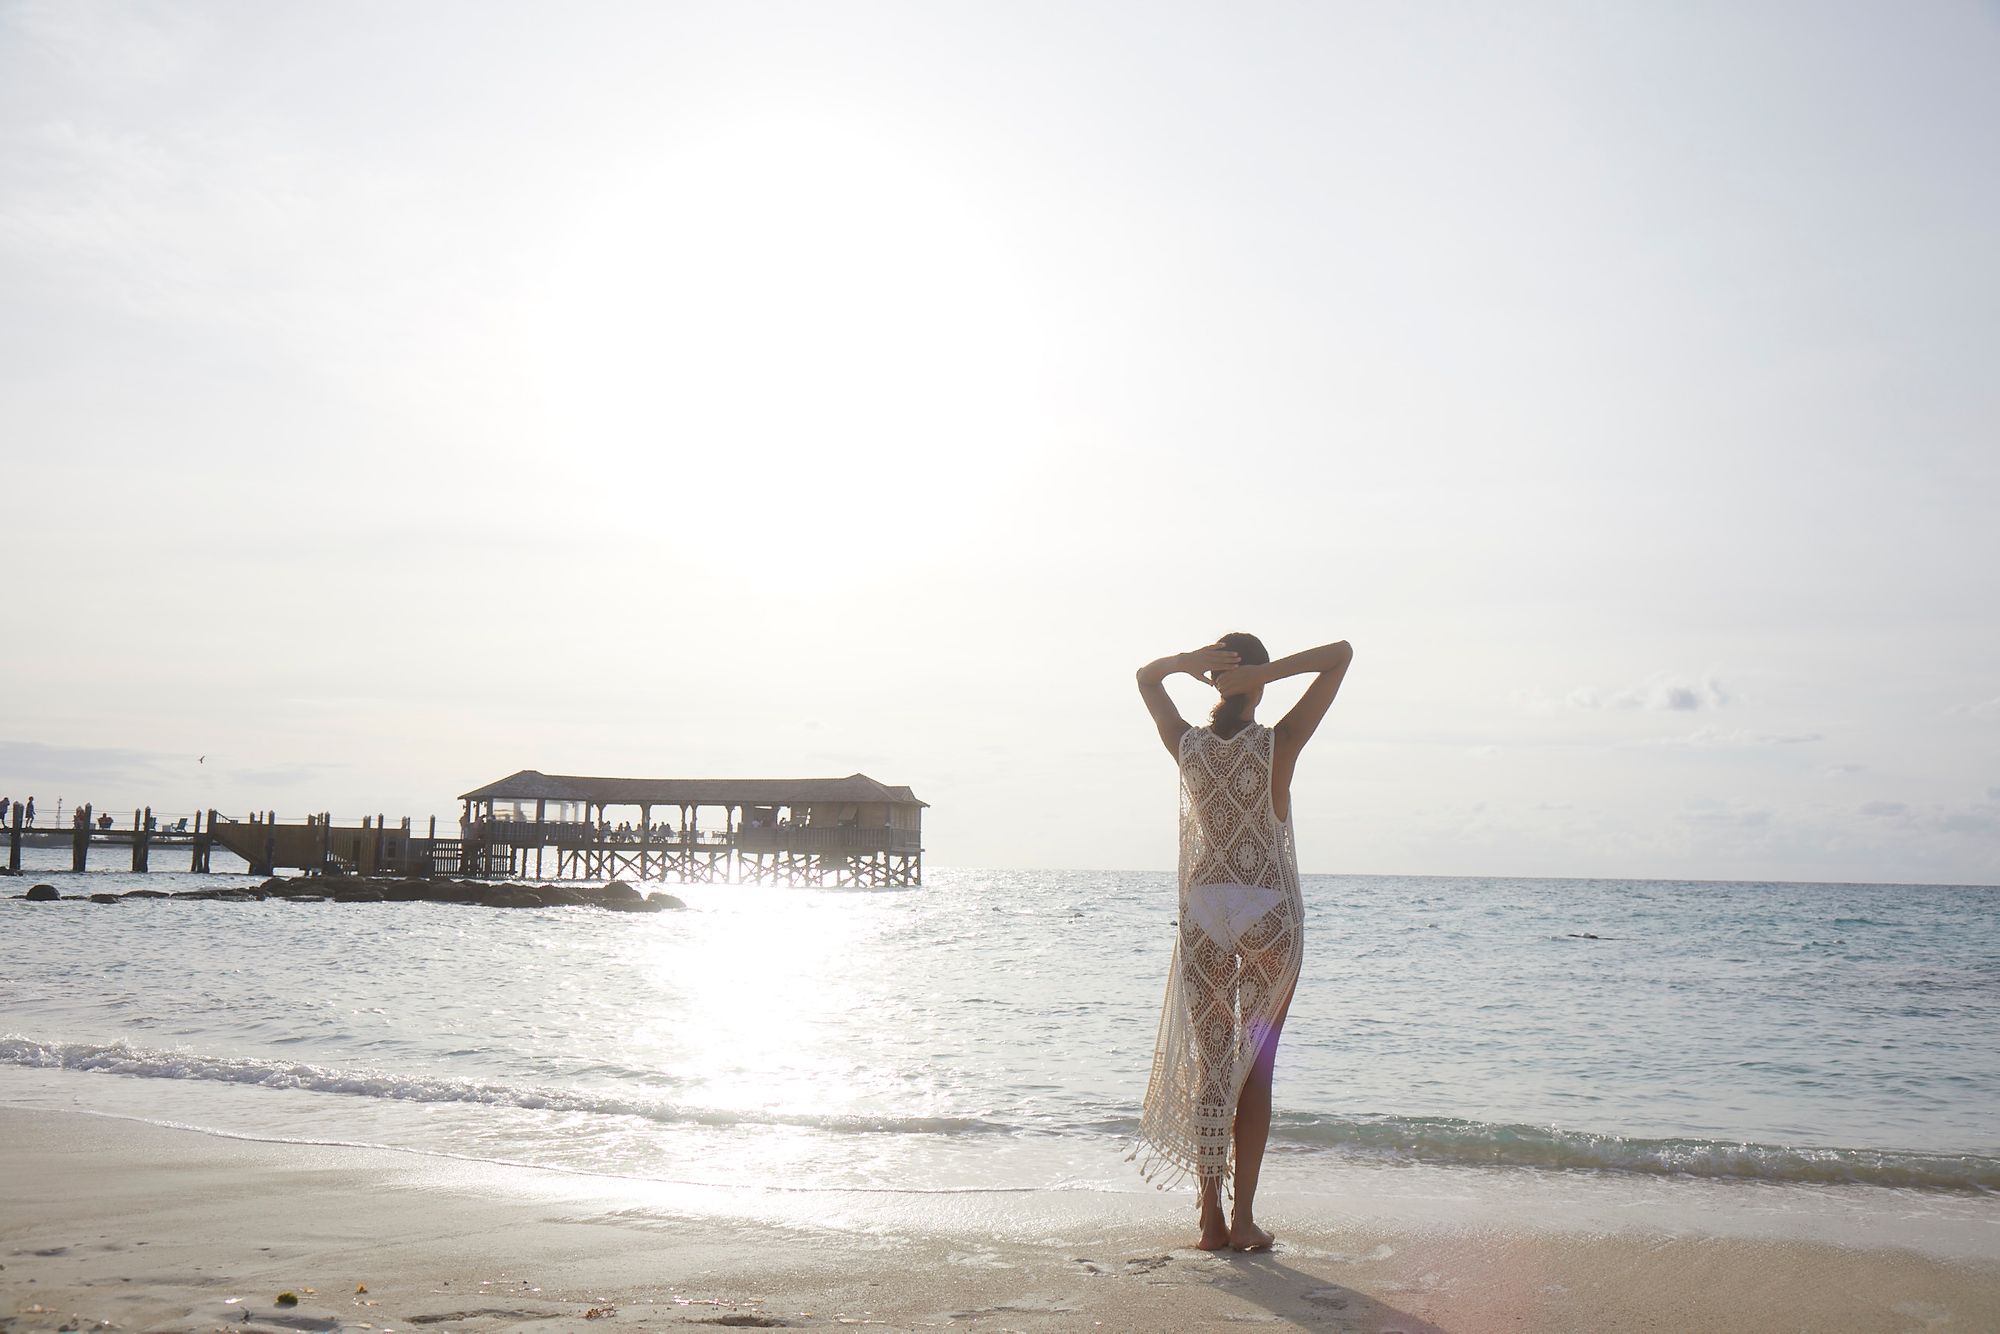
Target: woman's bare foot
{"x": 1247, "y": 1236}
{"x": 1214, "y": 1231}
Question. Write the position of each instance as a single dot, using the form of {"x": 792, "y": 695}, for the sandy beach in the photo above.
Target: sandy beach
{"x": 117, "y": 1224}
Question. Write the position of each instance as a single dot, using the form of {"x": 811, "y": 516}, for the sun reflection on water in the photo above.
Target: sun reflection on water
{"x": 750, "y": 998}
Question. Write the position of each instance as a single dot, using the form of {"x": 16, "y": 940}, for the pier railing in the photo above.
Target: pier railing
{"x": 846, "y": 839}
{"x": 801, "y": 838}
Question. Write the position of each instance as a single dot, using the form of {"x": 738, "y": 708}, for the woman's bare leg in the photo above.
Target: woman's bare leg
{"x": 1252, "y": 1132}
{"x": 1214, "y": 1227}
{"x": 1210, "y": 975}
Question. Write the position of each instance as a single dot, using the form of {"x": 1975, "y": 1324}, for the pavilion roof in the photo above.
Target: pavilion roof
{"x": 534, "y": 785}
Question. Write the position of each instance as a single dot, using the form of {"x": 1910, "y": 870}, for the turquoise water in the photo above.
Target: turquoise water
{"x": 995, "y": 1027}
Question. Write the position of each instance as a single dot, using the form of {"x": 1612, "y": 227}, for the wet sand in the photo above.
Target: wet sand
{"x": 119, "y": 1225}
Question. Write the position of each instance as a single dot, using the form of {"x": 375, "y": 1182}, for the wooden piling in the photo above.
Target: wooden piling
{"x": 646, "y": 843}
{"x": 14, "y": 841}
{"x": 142, "y": 838}
{"x": 194, "y": 859}
{"x": 270, "y": 863}
{"x": 79, "y": 841}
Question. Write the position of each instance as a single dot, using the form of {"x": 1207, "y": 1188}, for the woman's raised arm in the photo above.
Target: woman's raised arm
{"x": 1328, "y": 663}
{"x": 1202, "y": 664}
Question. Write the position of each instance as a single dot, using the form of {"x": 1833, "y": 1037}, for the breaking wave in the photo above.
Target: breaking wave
{"x": 1389, "y": 1139}
{"x": 119, "y": 1058}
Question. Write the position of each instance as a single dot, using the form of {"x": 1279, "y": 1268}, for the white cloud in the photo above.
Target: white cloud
{"x": 1719, "y": 737}
{"x": 1970, "y": 820}
{"x": 1725, "y": 815}
{"x": 107, "y": 46}
{"x": 1662, "y": 692}
{"x": 1987, "y": 711}
{"x": 1979, "y": 820}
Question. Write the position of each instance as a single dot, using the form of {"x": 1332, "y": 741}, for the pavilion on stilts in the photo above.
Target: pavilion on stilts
{"x": 850, "y": 831}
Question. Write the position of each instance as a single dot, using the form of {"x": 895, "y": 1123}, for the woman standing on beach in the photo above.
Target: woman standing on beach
{"x": 1242, "y": 923}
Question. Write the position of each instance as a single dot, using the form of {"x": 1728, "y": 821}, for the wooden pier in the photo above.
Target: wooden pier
{"x": 88, "y": 829}
{"x": 261, "y": 840}
{"x": 852, "y": 832}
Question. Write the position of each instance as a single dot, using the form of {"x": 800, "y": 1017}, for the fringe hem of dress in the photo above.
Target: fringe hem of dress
{"x": 1167, "y": 1171}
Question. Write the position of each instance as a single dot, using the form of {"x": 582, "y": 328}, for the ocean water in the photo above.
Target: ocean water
{"x": 994, "y": 1029}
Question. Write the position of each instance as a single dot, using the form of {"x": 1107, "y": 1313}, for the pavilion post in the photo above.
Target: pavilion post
{"x": 645, "y": 841}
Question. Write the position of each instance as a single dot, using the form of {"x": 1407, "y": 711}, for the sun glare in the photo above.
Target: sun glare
{"x": 777, "y": 329}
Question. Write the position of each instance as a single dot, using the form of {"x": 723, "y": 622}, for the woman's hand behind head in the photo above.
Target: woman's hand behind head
{"x": 1206, "y": 662}
{"x": 1240, "y": 680}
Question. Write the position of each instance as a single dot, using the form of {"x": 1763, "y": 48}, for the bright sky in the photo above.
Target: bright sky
{"x": 395, "y": 396}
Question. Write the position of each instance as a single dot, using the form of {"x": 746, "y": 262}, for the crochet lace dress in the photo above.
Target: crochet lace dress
{"x": 1236, "y": 958}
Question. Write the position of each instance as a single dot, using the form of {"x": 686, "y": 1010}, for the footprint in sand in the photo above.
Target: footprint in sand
{"x": 1376, "y": 1256}
{"x": 1018, "y": 1306}
{"x": 455, "y": 1317}
{"x": 1931, "y": 1315}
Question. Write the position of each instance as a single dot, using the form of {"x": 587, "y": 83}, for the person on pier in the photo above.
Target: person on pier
{"x": 1241, "y": 937}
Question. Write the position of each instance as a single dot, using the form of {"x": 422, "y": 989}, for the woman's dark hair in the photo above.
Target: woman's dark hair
{"x": 1231, "y": 712}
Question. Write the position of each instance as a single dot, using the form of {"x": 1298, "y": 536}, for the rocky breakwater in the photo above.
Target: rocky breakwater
{"x": 617, "y": 896}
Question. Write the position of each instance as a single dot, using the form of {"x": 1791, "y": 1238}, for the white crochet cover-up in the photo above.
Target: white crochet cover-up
{"x": 1236, "y": 957}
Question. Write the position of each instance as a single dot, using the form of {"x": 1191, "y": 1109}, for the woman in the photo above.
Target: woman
{"x": 1242, "y": 923}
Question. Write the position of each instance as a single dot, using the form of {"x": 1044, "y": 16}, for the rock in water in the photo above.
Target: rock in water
{"x": 41, "y": 894}
{"x": 667, "y": 901}
{"x": 104, "y": 898}
{"x": 508, "y": 896}
{"x": 411, "y": 890}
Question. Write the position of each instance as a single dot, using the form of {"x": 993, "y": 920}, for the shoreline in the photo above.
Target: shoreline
{"x": 155, "y": 1228}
